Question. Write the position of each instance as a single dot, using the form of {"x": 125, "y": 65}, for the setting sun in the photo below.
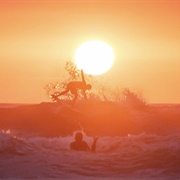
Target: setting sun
{"x": 90, "y": 89}
{"x": 94, "y": 57}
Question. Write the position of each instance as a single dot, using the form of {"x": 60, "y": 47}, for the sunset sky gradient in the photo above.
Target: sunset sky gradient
{"x": 38, "y": 37}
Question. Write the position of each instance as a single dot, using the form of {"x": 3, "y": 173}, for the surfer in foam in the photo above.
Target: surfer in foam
{"x": 73, "y": 87}
{"x": 80, "y": 145}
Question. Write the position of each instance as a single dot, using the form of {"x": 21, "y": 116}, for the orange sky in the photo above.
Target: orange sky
{"x": 38, "y": 37}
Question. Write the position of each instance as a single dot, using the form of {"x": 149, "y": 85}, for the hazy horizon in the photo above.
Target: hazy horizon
{"x": 38, "y": 37}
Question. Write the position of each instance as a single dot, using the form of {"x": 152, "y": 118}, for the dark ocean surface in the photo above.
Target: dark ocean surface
{"x": 134, "y": 142}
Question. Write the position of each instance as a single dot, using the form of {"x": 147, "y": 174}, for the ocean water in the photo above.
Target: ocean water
{"x": 134, "y": 156}
{"x": 142, "y": 155}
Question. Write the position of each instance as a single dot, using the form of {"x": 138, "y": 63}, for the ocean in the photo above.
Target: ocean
{"x": 134, "y": 143}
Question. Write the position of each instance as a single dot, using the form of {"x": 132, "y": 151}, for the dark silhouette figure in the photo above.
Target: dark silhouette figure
{"x": 73, "y": 87}
{"x": 80, "y": 145}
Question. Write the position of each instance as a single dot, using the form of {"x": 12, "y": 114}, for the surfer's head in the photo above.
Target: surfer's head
{"x": 88, "y": 86}
{"x": 78, "y": 136}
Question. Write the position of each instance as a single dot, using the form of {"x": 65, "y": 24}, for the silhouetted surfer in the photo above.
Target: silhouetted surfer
{"x": 80, "y": 145}
{"x": 73, "y": 87}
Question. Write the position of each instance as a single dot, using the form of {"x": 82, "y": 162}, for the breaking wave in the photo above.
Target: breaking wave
{"x": 131, "y": 156}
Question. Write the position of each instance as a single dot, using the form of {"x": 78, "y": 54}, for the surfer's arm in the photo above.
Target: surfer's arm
{"x": 93, "y": 147}
{"x": 82, "y": 76}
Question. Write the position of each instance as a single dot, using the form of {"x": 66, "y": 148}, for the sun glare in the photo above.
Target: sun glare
{"x": 94, "y": 57}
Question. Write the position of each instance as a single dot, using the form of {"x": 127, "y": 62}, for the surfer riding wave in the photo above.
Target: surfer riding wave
{"x": 73, "y": 87}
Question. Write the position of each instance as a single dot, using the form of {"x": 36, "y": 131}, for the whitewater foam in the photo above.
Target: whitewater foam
{"x": 132, "y": 156}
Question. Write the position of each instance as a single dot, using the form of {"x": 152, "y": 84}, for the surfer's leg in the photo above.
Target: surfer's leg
{"x": 74, "y": 100}
{"x": 64, "y": 92}
{"x": 55, "y": 96}
{"x": 85, "y": 97}
{"x": 74, "y": 92}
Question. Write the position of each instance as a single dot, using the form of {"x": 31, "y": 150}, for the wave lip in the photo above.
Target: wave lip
{"x": 94, "y": 117}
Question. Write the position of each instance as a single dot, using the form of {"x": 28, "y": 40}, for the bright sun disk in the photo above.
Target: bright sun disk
{"x": 94, "y": 57}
